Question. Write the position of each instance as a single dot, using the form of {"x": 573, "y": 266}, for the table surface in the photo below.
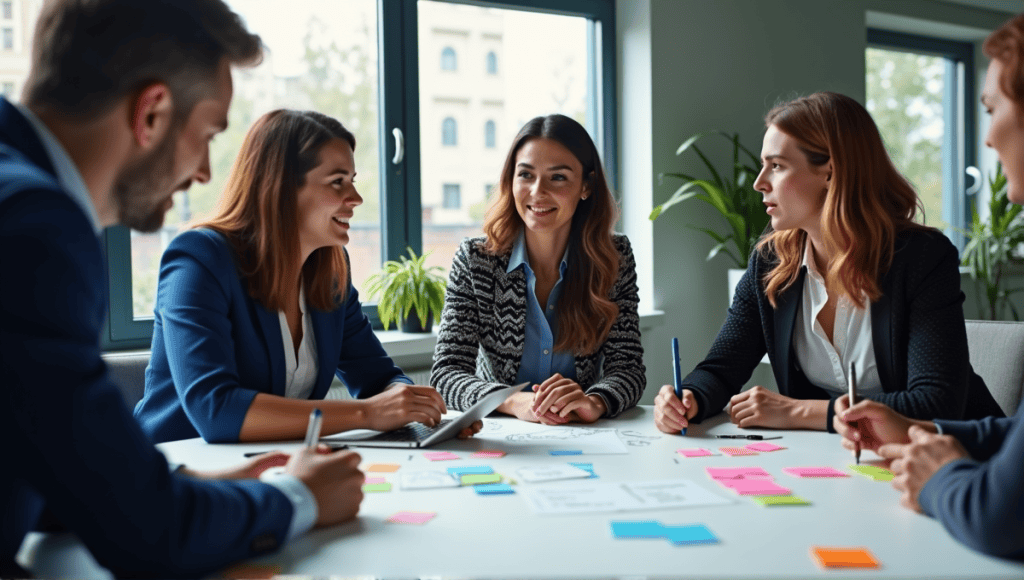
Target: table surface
{"x": 476, "y": 536}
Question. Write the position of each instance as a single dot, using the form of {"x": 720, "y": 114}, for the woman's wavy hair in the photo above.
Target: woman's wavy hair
{"x": 585, "y": 312}
{"x": 258, "y": 213}
{"x": 866, "y": 205}
{"x": 1006, "y": 45}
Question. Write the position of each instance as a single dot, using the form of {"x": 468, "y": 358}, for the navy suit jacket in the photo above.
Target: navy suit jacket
{"x": 917, "y": 332}
{"x": 77, "y": 452}
{"x": 215, "y": 347}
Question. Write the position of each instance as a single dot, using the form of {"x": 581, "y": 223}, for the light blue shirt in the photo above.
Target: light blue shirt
{"x": 304, "y": 511}
{"x": 540, "y": 360}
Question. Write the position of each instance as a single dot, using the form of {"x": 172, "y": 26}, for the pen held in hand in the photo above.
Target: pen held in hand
{"x": 677, "y": 374}
{"x": 853, "y": 401}
{"x": 313, "y": 431}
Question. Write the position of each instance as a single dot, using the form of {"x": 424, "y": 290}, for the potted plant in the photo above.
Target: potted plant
{"x": 409, "y": 293}
{"x": 992, "y": 247}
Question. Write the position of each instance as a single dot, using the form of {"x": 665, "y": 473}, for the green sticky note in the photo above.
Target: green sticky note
{"x": 478, "y": 478}
{"x": 371, "y": 487}
{"x": 773, "y": 500}
{"x": 872, "y": 472}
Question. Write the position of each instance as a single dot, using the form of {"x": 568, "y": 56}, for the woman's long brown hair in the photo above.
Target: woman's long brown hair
{"x": 257, "y": 211}
{"x": 585, "y": 311}
{"x": 867, "y": 204}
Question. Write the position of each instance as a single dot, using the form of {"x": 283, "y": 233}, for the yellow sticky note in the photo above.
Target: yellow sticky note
{"x": 376, "y": 487}
{"x": 873, "y": 472}
{"x": 774, "y": 500}
{"x": 844, "y": 557}
{"x": 478, "y": 478}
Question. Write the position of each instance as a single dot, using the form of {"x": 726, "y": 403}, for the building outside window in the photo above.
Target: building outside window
{"x": 7, "y": 9}
{"x": 452, "y": 196}
{"x": 449, "y": 132}
{"x": 448, "y": 60}
{"x": 492, "y": 63}
{"x": 489, "y": 134}
{"x": 7, "y": 38}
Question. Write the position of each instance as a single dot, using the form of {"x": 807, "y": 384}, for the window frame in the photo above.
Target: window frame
{"x": 449, "y": 132}
{"x": 449, "y": 59}
{"x": 398, "y": 107}
{"x": 959, "y": 147}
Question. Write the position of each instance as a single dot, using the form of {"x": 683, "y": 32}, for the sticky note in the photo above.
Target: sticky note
{"x": 777, "y": 500}
{"x": 470, "y": 469}
{"x": 844, "y": 557}
{"x": 763, "y": 446}
{"x": 814, "y": 472}
{"x": 734, "y": 451}
{"x": 383, "y": 467}
{"x": 872, "y": 472}
{"x": 754, "y": 486}
{"x": 493, "y": 489}
{"x": 489, "y": 453}
{"x": 737, "y": 472}
{"x": 426, "y": 480}
{"x": 374, "y": 480}
{"x": 687, "y": 535}
{"x": 696, "y": 452}
{"x": 478, "y": 478}
{"x": 440, "y": 455}
{"x": 588, "y": 467}
{"x": 637, "y": 529}
{"x": 565, "y": 452}
{"x": 376, "y": 487}
{"x": 412, "y": 517}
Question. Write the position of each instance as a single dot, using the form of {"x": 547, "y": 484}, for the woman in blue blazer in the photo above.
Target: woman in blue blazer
{"x": 255, "y": 312}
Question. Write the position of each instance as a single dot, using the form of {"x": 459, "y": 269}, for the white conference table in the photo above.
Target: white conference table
{"x": 476, "y": 536}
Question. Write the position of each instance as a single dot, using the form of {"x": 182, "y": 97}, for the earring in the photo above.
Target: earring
{"x": 583, "y": 198}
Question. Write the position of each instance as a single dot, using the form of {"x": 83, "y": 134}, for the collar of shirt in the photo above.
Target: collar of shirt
{"x": 67, "y": 172}
{"x": 519, "y": 257}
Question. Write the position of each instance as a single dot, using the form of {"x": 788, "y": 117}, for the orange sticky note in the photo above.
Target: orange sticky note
{"x": 383, "y": 467}
{"x": 844, "y": 557}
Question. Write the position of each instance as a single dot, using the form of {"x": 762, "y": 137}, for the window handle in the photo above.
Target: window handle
{"x": 399, "y": 146}
{"x": 976, "y": 174}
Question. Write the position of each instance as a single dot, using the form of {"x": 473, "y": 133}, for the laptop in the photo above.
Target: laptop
{"x": 419, "y": 435}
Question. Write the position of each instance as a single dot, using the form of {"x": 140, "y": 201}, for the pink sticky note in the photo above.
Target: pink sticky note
{"x": 737, "y": 472}
{"x": 814, "y": 472}
{"x": 698, "y": 452}
{"x": 489, "y": 453}
{"x": 733, "y": 451}
{"x": 754, "y": 486}
{"x": 763, "y": 446}
{"x": 370, "y": 480}
{"x": 412, "y": 517}
{"x": 440, "y": 455}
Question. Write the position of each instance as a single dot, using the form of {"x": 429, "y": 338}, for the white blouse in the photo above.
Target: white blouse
{"x": 827, "y": 363}
{"x": 301, "y": 370}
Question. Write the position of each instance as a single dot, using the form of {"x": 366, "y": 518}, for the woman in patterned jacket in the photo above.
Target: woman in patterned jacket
{"x": 548, "y": 297}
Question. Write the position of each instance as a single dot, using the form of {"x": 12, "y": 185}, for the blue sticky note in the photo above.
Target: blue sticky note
{"x": 470, "y": 470}
{"x": 684, "y": 535}
{"x": 493, "y": 489}
{"x": 638, "y": 529}
{"x": 565, "y": 452}
{"x": 589, "y": 467}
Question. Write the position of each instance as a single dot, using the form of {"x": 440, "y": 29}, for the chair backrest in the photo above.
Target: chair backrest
{"x": 128, "y": 370}
{"x": 997, "y": 355}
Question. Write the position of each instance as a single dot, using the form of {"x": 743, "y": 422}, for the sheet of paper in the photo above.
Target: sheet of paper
{"x": 527, "y": 437}
{"x": 539, "y": 473}
{"x": 426, "y": 480}
{"x": 590, "y": 496}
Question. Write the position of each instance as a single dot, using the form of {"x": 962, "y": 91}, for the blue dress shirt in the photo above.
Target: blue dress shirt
{"x": 540, "y": 361}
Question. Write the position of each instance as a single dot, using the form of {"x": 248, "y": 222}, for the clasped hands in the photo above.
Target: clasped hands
{"x": 557, "y": 401}
{"x": 756, "y": 407}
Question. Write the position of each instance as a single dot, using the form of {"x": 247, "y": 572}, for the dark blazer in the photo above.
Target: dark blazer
{"x": 483, "y": 329}
{"x": 77, "y": 452}
{"x": 215, "y": 347}
{"x": 917, "y": 330}
{"x": 980, "y": 499}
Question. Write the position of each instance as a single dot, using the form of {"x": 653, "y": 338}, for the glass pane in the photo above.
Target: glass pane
{"x": 322, "y": 55}
{"x": 504, "y": 76}
{"x": 905, "y": 96}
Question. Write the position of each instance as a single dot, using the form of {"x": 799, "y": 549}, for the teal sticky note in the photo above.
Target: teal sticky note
{"x": 637, "y": 529}
{"x": 565, "y": 452}
{"x": 686, "y": 535}
{"x": 470, "y": 469}
{"x": 589, "y": 467}
{"x": 494, "y": 489}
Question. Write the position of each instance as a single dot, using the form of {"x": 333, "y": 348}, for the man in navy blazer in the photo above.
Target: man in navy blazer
{"x": 122, "y": 100}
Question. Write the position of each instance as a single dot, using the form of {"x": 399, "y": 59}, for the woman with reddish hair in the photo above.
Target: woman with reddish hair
{"x": 548, "y": 297}
{"x": 844, "y": 277}
{"x": 256, "y": 313}
{"x": 966, "y": 474}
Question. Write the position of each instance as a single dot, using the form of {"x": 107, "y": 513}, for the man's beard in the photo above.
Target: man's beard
{"x": 142, "y": 188}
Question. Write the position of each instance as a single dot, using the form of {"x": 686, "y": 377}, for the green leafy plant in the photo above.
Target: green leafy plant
{"x": 408, "y": 286}
{"x": 730, "y": 192}
{"x": 992, "y": 247}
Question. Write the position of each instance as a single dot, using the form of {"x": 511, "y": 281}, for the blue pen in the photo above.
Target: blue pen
{"x": 677, "y": 372}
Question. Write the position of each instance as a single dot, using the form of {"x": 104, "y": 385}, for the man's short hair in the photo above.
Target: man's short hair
{"x": 89, "y": 54}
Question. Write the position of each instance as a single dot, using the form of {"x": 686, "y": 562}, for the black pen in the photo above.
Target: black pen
{"x": 751, "y": 437}
{"x": 853, "y": 401}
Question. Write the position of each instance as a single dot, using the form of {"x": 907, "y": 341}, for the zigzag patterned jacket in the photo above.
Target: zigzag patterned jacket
{"x": 483, "y": 330}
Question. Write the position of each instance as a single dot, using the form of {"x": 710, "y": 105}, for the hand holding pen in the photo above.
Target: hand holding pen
{"x": 852, "y": 383}
{"x": 674, "y": 406}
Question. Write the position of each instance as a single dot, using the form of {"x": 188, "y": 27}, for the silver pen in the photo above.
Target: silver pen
{"x": 313, "y": 431}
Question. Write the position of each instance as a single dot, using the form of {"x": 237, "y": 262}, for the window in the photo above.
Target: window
{"x": 7, "y": 38}
{"x": 489, "y": 138}
{"x": 492, "y": 63}
{"x": 923, "y": 102}
{"x": 7, "y": 89}
{"x": 7, "y": 10}
{"x": 448, "y": 61}
{"x": 449, "y": 132}
{"x": 452, "y": 196}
